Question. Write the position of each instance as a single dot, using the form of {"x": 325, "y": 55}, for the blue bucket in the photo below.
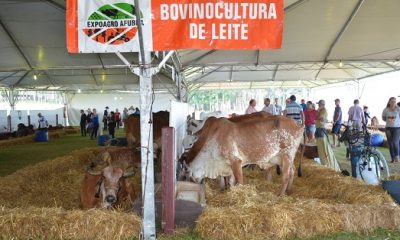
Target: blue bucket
{"x": 102, "y": 139}
{"x": 376, "y": 140}
{"x": 41, "y": 136}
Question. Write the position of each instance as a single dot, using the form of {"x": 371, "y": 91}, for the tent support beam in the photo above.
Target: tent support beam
{"x": 257, "y": 58}
{"x": 294, "y": 5}
{"x": 340, "y": 34}
{"x": 56, "y": 5}
{"x": 200, "y": 57}
{"x": 275, "y": 72}
{"x": 20, "y": 80}
{"x": 206, "y": 74}
{"x": 10, "y": 75}
{"x": 16, "y": 45}
{"x": 94, "y": 78}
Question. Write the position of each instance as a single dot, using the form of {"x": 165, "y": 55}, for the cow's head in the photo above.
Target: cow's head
{"x": 193, "y": 125}
{"x": 184, "y": 171}
{"x": 189, "y": 141}
{"x": 109, "y": 184}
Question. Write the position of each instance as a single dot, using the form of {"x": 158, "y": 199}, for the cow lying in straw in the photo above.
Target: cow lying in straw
{"x": 110, "y": 185}
{"x": 224, "y": 147}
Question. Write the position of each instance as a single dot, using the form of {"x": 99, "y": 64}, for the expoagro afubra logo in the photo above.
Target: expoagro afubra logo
{"x": 112, "y": 24}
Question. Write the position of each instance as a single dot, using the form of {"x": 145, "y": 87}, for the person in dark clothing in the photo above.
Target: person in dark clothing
{"x": 111, "y": 124}
{"x": 89, "y": 124}
{"x": 137, "y": 112}
{"x": 83, "y": 123}
{"x": 366, "y": 115}
{"x": 95, "y": 122}
{"x": 117, "y": 118}
{"x": 105, "y": 116}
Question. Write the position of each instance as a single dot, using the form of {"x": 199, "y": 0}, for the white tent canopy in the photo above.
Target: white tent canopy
{"x": 324, "y": 42}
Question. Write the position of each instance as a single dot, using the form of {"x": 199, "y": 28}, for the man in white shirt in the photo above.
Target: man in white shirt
{"x": 269, "y": 108}
{"x": 278, "y": 107}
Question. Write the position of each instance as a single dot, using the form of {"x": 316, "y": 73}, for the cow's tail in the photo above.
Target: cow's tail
{"x": 303, "y": 146}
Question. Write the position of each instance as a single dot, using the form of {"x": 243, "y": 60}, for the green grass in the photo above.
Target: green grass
{"x": 344, "y": 163}
{"x": 16, "y": 157}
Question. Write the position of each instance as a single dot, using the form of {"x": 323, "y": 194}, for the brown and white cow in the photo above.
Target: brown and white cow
{"x": 110, "y": 186}
{"x": 132, "y": 128}
{"x": 224, "y": 146}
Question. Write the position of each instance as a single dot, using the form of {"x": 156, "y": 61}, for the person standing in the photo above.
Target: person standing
{"x": 391, "y": 115}
{"x": 252, "y": 107}
{"x": 309, "y": 116}
{"x": 366, "y": 114}
{"x": 43, "y": 124}
{"x": 124, "y": 115}
{"x": 89, "y": 124}
{"x": 269, "y": 108}
{"x": 337, "y": 123}
{"x": 303, "y": 104}
{"x": 111, "y": 124}
{"x": 83, "y": 123}
{"x": 356, "y": 116}
{"x": 117, "y": 118}
{"x": 105, "y": 116}
{"x": 95, "y": 122}
{"x": 294, "y": 111}
{"x": 325, "y": 151}
{"x": 278, "y": 107}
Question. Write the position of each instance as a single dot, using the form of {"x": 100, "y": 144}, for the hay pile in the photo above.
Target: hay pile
{"x": 321, "y": 202}
{"x": 57, "y": 223}
{"x": 52, "y": 183}
{"x": 42, "y": 202}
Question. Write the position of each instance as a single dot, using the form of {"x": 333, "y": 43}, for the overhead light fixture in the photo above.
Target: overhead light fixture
{"x": 101, "y": 91}
{"x": 34, "y": 77}
{"x": 79, "y": 90}
{"x": 340, "y": 64}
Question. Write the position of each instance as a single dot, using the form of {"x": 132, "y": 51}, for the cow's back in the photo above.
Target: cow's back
{"x": 254, "y": 139}
{"x": 132, "y": 130}
{"x": 132, "y": 125}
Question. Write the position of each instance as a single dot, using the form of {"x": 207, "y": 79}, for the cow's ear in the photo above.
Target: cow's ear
{"x": 98, "y": 187}
{"x": 94, "y": 173}
{"x": 128, "y": 174}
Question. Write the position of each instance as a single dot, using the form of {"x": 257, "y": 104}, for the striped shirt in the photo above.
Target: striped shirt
{"x": 294, "y": 110}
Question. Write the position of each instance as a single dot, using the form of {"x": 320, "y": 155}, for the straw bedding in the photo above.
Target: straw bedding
{"x": 320, "y": 203}
{"x": 42, "y": 201}
{"x": 58, "y": 223}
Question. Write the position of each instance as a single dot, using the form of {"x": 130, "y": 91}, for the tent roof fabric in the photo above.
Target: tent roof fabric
{"x": 324, "y": 42}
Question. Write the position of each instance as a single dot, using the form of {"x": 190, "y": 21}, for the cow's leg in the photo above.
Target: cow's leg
{"x": 286, "y": 174}
{"x": 268, "y": 171}
{"x": 222, "y": 183}
{"x": 237, "y": 171}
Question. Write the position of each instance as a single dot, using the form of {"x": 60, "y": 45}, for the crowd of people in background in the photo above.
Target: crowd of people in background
{"x": 90, "y": 122}
{"x": 315, "y": 122}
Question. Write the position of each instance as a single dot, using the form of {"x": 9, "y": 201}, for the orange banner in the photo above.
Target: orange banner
{"x": 217, "y": 24}
{"x": 72, "y": 26}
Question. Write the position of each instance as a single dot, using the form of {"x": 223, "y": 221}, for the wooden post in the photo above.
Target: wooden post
{"x": 168, "y": 180}
{"x": 9, "y": 127}
{"x": 56, "y": 120}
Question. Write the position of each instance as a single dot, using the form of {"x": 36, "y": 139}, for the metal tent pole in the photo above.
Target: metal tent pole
{"x": 146, "y": 140}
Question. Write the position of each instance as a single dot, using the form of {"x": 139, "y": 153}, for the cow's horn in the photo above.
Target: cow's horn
{"x": 128, "y": 174}
{"x": 95, "y": 173}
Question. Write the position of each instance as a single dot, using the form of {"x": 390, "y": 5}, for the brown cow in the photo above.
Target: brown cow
{"x": 110, "y": 186}
{"x": 224, "y": 146}
{"x": 132, "y": 128}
